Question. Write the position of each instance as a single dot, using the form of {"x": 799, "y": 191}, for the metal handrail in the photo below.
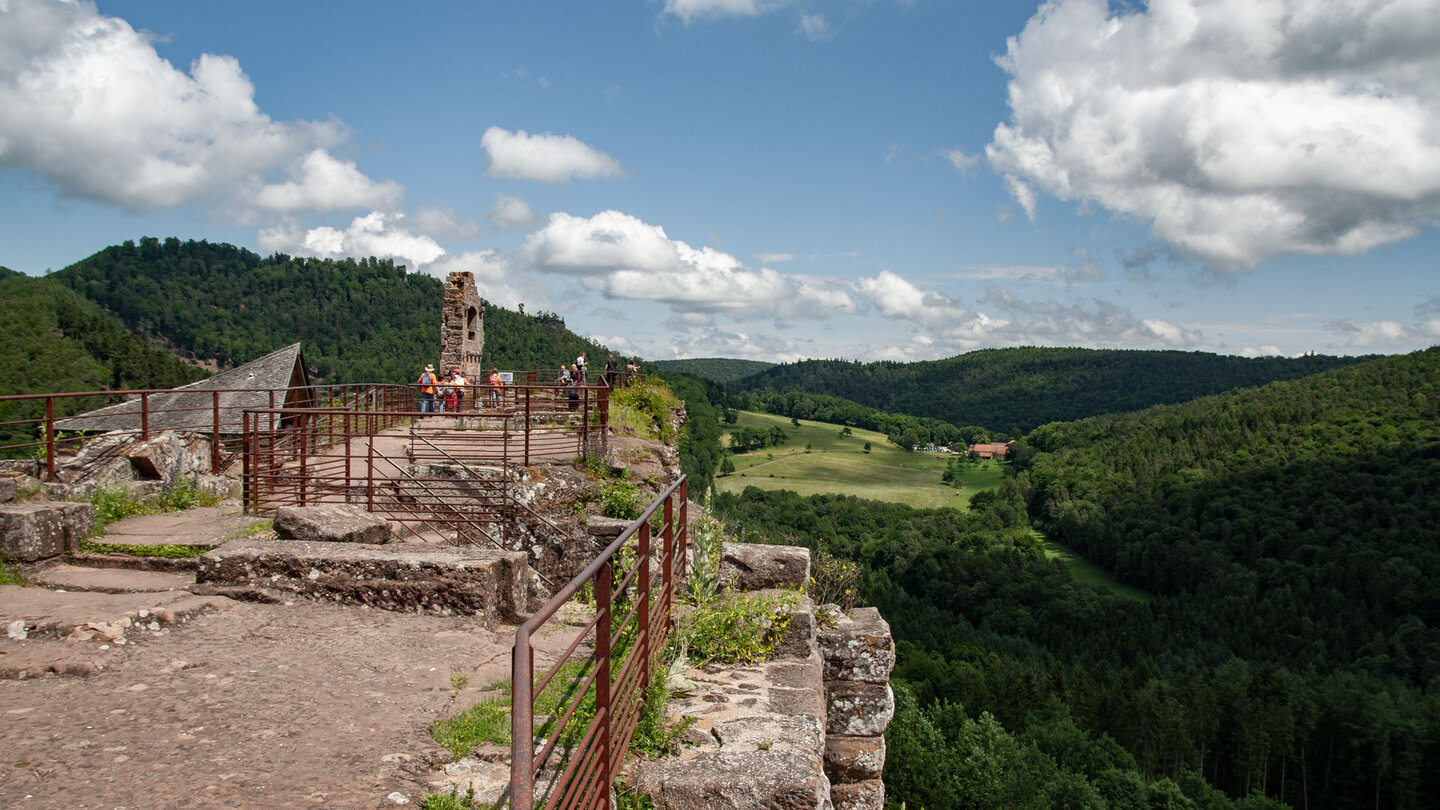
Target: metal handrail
{"x": 601, "y": 750}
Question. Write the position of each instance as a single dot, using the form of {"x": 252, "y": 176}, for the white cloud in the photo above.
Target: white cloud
{"x": 960, "y": 160}
{"x": 88, "y": 104}
{"x": 1241, "y": 129}
{"x": 320, "y": 182}
{"x": 512, "y": 213}
{"x": 545, "y": 157}
{"x": 442, "y": 221}
{"x": 814, "y": 27}
{"x": 624, "y": 257}
{"x": 375, "y": 234}
{"x": 1382, "y": 336}
{"x": 691, "y": 10}
{"x": 775, "y": 258}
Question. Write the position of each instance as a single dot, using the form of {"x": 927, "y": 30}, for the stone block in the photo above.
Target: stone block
{"x": 854, "y": 759}
{"x": 37, "y": 530}
{"x": 7, "y": 489}
{"x": 867, "y": 795}
{"x": 799, "y": 638}
{"x": 858, "y": 647}
{"x": 606, "y": 529}
{"x": 331, "y": 523}
{"x": 446, "y": 580}
{"x": 755, "y": 567}
{"x": 735, "y": 780}
{"x": 23, "y": 466}
{"x": 858, "y": 709}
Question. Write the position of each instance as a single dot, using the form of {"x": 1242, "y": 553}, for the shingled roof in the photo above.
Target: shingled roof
{"x": 191, "y": 407}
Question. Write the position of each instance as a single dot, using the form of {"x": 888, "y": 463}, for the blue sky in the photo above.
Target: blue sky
{"x": 771, "y": 179}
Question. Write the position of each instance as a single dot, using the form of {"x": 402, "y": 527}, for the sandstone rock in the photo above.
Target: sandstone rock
{"x": 331, "y": 523}
{"x": 858, "y": 647}
{"x": 736, "y": 780}
{"x": 755, "y": 567}
{"x": 799, "y": 638}
{"x": 7, "y": 489}
{"x": 445, "y": 580}
{"x": 36, "y": 530}
{"x": 24, "y": 466}
{"x": 856, "y": 709}
{"x": 867, "y": 795}
{"x": 606, "y": 529}
{"x": 854, "y": 759}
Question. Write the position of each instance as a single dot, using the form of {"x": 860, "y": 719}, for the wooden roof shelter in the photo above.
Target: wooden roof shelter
{"x": 192, "y": 406}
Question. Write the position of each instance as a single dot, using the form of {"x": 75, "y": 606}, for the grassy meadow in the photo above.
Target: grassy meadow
{"x": 839, "y": 464}
{"x": 1089, "y": 573}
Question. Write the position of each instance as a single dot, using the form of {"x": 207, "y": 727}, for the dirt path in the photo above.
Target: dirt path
{"x": 255, "y": 706}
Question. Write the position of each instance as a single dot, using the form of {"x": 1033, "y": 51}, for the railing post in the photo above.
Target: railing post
{"x": 347, "y": 456}
{"x": 603, "y": 714}
{"x": 49, "y": 438}
{"x": 642, "y": 604}
{"x": 522, "y": 725}
{"x": 667, "y": 558}
{"x": 215, "y": 433}
{"x": 683, "y": 532}
{"x": 304, "y": 474}
{"x": 370, "y": 474}
{"x": 527, "y": 425}
{"x": 246, "y": 490}
{"x": 144, "y": 416}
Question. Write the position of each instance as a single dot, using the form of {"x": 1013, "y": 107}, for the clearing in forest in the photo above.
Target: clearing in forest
{"x": 816, "y": 459}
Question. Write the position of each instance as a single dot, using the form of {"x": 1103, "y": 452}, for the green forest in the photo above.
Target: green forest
{"x": 1291, "y": 537}
{"x": 719, "y": 369}
{"x": 1015, "y": 390}
{"x": 359, "y": 321}
{"x": 54, "y": 340}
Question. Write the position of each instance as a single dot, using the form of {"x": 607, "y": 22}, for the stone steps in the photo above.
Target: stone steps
{"x": 403, "y": 577}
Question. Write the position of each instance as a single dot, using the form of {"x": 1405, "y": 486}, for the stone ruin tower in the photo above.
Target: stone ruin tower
{"x": 462, "y": 327}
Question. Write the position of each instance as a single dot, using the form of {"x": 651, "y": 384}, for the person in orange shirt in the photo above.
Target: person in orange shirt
{"x": 495, "y": 385}
{"x": 427, "y": 390}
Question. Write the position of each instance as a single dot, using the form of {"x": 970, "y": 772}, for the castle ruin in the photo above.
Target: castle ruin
{"x": 462, "y": 326}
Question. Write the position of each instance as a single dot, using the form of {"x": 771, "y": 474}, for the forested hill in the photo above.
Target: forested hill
{"x": 1015, "y": 390}
{"x": 54, "y": 340}
{"x": 359, "y": 321}
{"x": 719, "y": 369}
{"x": 1298, "y": 526}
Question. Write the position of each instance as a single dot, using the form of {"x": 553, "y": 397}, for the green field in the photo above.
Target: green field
{"x": 1089, "y": 573}
{"x": 840, "y": 465}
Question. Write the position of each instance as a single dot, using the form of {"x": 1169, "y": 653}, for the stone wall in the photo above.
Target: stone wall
{"x": 859, "y": 653}
{"x": 462, "y": 327}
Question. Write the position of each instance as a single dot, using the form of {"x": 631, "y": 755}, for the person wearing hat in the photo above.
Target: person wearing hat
{"x": 427, "y": 390}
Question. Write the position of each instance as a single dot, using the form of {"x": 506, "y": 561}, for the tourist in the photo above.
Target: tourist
{"x": 427, "y": 390}
{"x": 495, "y": 385}
{"x": 457, "y": 390}
{"x": 611, "y": 367}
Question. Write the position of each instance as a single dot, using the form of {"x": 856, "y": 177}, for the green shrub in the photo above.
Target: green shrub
{"x": 10, "y": 575}
{"x": 739, "y": 629}
{"x": 486, "y": 721}
{"x": 622, "y": 500}
{"x": 650, "y": 402}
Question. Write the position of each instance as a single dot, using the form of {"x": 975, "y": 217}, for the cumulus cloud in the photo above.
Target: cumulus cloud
{"x": 545, "y": 157}
{"x": 442, "y": 221}
{"x": 320, "y": 182}
{"x": 512, "y": 213}
{"x": 1382, "y": 336}
{"x": 88, "y": 104}
{"x": 960, "y": 160}
{"x": 1240, "y": 130}
{"x": 375, "y": 234}
{"x": 1097, "y": 324}
{"x": 624, "y": 257}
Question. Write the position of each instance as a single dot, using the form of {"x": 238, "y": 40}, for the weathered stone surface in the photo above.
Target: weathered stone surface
{"x": 331, "y": 523}
{"x": 858, "y": 647}
{"x": 7, "y": 489}
{"x": 605, "y": 529}
{"x": 447, "y": 580}
{"x": 24, "y": 466}
{"x": 737, "y": 780}
{"x": 166, "y": 455}
{"x": 854, "y": 759}
{"x": 755, "y": 567}
{"x": 36, "y": 530}
{"x": 867, "y": 795}
{"x": 770, "y": 733}
{"x": 799, "y": 638}
{"x": 857, "y": 709}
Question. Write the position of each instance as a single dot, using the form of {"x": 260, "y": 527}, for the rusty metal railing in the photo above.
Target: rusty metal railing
{"x": 442, "y": 474}
{"x": 633, "y": 617}
{"x": 48, "y": 427}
